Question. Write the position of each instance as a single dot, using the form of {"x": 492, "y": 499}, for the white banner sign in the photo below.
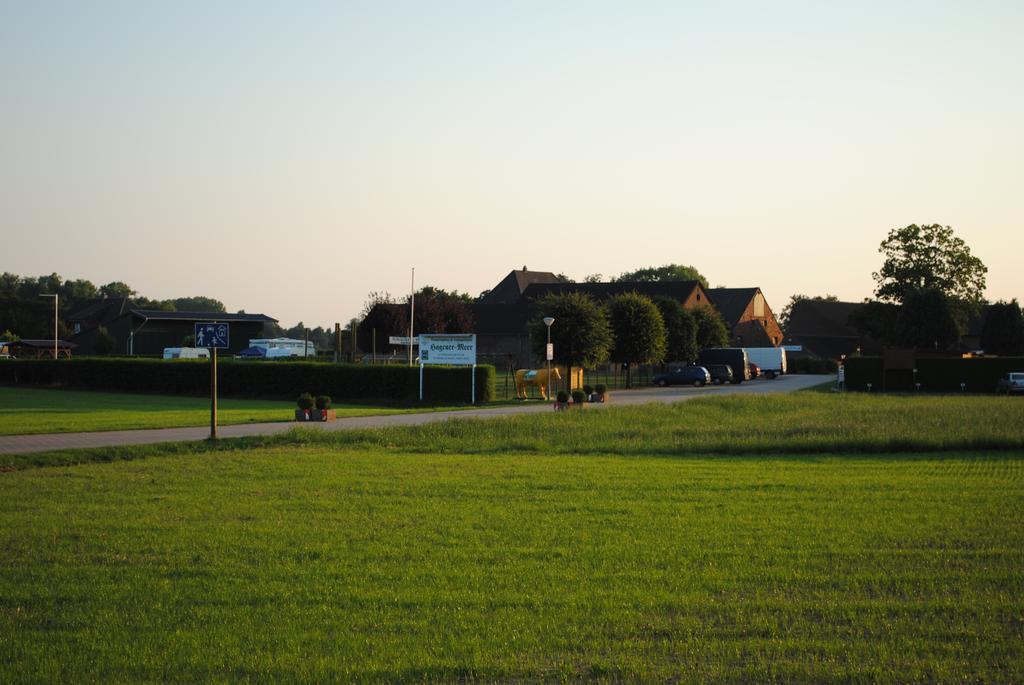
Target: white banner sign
{"x": 402, "y": 340}
{"x": 456, "y": 350}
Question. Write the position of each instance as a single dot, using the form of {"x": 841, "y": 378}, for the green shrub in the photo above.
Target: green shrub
{"x": 562, "y": 396}
{"x": 937, "y": 374}
{"x": 578, "y": 397}
{"x": 601, "y": 388}
{"x": 811, "y": 365}
{"x": 305, "y": 401}
{"x": 323, "y": 401}
{"x": 238, "y": 378}
{"x": 588, "y": 390}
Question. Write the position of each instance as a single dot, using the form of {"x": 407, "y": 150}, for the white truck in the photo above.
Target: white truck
{"x": 771, "y": 360}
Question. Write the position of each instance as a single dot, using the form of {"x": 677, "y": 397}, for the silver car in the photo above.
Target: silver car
{"x": 1011, "y": 382}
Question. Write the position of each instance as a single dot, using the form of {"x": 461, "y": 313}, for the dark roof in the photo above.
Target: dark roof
{"x": 510, "y": 289}
{"x": 160, "y": 315}
{"x": 679, "y": 290}
{"x": 732, "y": 302}
{"x": 45, "y": 344}
{"x": 99, "y": 311}
{"x": 976, "y": 324}
{"x": 822, "y": 318}
{"x": 501, "y": 319}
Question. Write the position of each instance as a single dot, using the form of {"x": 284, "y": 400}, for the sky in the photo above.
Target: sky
{"x": 291, "y": 158}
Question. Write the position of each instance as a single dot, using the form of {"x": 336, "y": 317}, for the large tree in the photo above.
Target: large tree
{"x": 638, "y": 331}
{"x": 580, "y": 334}
{"x": 680, "y": 330}
{"x": 711, "y": 328}
{"x": 668, "y": 272}
{"x": 198, "y": 303}
{"x": 440, "y": 311}
{"x": 930, "y": 319}
{"x": 1003, "y": 332}
{"x": 926, "y": 258}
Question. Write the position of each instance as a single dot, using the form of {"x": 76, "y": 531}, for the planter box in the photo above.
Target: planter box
{"x": 324, "y": 415}
{"x": 304, "y": 414}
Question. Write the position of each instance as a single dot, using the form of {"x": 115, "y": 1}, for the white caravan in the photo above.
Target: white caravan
{"x": 186, "y": 353}
{"x": 284, "y": 347}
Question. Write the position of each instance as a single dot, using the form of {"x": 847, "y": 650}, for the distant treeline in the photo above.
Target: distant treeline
{"x": 25, "y": 313}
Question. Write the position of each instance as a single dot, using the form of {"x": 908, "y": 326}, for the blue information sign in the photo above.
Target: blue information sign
{"x": 212, "y": 335}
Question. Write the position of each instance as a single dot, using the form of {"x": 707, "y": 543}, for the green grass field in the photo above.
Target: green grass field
{"x": 432, "y": 556}
{"x": 25, "y": 411}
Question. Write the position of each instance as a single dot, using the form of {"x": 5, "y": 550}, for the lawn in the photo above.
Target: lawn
{"x": 365, "y": 558}
{"x": 25, "y": 411}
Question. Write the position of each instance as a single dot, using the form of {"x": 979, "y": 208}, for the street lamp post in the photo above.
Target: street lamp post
{"x": 56, "y": 298}
{"x": 548, "y": 320}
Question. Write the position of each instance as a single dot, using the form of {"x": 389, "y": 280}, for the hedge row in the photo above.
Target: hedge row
{"x": 281, "y": 380}
{"x": 814, "y": 365}
{"x": 934, "y": 374}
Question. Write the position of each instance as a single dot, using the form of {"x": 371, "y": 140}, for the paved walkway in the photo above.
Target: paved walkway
{"x": 23, "y": 444}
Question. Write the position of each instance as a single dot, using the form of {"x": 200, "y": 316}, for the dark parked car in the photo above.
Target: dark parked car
{"x": 684, "y": 375}
{"x": 736, "y": 357}
{"x": 720, "y": 373}
{"x": 1010, "y": 382}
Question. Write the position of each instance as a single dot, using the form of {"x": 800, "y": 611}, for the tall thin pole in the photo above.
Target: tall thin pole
{"x": 213, "y": 393}
{"x": 412, "y": 311}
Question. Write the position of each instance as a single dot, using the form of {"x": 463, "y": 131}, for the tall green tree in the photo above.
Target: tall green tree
{"x": 116, "y": 289}
{"x": 1003, "y": 332}
{"x": 929, "y": 319}
{"x": 711, "y": 328}
{"x": 638, "y": 331}
{"x": 920, "y": 259}
{"x": 668, "y": 272}
{"x": 198, "y": 303}
{"x": 581, "y": 334}
{"x": 680, "y": 330}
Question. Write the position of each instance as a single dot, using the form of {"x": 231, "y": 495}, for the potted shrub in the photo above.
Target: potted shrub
{"x": 601, "y": 392}
{"x": 562, "y": 401}
{"x": 323, "y": 411}
{"x": 588, "y": 391}
{"x": 578, "y": 398}
{"x": 304, "y": 412}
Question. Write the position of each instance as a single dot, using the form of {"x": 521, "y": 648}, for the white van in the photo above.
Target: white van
{"x": 771, "y": 360}
{"x": 186, "y": 353}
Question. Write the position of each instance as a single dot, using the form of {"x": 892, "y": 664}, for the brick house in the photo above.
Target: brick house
{"x": 748, "y": 317}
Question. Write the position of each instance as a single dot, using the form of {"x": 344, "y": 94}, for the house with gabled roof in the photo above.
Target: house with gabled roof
{"x": 511, "y": 288}
{"x": 824, "y": 328}
{"x": 748, "y": 317}
{"x": 139, "y": 331}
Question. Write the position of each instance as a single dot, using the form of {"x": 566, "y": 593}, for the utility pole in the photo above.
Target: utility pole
{"x": 412, "y": 311}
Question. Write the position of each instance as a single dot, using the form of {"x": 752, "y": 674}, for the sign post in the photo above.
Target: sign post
{"x": 449, "y": 350}
{"x": 214, "y": 336}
